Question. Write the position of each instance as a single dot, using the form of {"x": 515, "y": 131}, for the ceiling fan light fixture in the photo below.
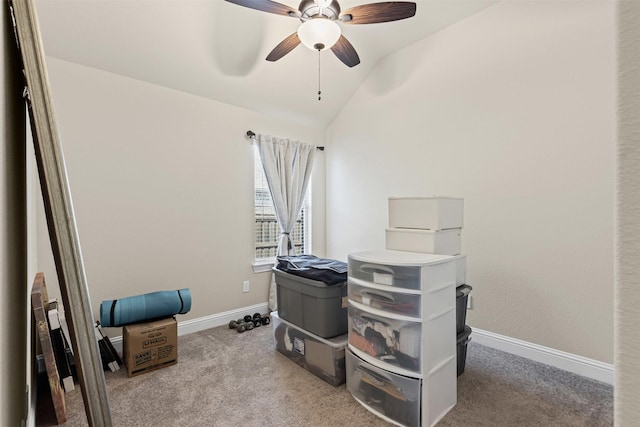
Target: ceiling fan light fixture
{"x": 319, "y": 33}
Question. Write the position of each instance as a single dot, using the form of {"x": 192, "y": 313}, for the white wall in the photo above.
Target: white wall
{"x": 162, "y": 186}
{"x": 514, "y": 110}
{"x": 627, "y": 336}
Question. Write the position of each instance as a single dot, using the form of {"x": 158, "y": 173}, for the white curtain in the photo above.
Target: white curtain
{"x": 287, "y": 165}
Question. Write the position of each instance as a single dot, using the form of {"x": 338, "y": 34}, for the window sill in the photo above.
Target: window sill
{"x": 263, "y": 265}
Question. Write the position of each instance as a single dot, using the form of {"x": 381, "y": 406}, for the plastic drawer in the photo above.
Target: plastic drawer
{"x": 391, "y": 275}
{"x": 409, "y": 270}
{"x": 389, "y": 395}
{"x": 396, "y": 342}
{"x": 385, "y": 298}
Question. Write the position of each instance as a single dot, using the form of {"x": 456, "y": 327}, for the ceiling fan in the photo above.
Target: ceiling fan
{"x": 320, "y": 30}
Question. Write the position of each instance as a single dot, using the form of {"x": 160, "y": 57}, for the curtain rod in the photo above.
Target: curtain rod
{"x": 251, "y": 134}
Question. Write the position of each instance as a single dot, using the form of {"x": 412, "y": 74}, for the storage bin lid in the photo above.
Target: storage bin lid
{"x": 391, "y": 257}
{"x": 463, "y": 290}
{"x": 329, "y": 271}
{"x": 464, "y": 335}
{"x": 288, "y": 280}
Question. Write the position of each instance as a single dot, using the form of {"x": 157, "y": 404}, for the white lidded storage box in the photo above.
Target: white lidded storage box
{"x": 443, "y": 242}
{"x": 426, "y": 213}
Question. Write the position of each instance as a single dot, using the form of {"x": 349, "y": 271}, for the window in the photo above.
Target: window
{"x": 267, "y": 230}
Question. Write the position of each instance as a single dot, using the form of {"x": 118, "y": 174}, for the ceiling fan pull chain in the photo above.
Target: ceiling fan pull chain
{"x": 319, "y": 91}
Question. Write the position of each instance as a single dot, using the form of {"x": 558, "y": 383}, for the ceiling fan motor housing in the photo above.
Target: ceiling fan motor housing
{"x": 310, "y": 9}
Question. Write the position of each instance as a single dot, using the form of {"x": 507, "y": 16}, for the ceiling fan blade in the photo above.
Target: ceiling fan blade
{"x": 267, "y": 6}
{"x": 375, "y": 13}
{"x": 345, "y": 52}
{"x": 284, "y": 47}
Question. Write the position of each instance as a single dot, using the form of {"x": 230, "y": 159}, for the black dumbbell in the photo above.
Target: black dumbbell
{"x": 249, "y": 320}
{"x": 256, "y": 319}
{"x": 238, "y": 325}
{"x": 264, "y": 320}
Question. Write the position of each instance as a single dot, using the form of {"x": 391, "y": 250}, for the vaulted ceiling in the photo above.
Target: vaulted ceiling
{"x": 217, "y": 50}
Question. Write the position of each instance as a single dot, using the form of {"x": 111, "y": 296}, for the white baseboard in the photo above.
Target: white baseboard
{"x": 579, "y": 365}
{"x": 219, "y": 319}
{"x": 207, "y": 322}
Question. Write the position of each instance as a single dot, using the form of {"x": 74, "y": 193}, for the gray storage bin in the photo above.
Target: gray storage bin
{"x": 462, "y": 339}
{"x": 462, "y": 296}
{"x": 312, "y": 305}
{"x": 322, "y": 357}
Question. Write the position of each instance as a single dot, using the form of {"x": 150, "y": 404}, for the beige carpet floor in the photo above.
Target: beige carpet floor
{"x": 228, "y": 379}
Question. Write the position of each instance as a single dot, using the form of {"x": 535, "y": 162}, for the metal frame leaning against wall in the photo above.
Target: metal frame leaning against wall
{"x": 60, "y": 215}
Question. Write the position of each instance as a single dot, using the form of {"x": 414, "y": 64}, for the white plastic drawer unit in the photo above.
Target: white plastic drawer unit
{"x": 393, "y": 300}
{"x": 393, "y": 397}
{"x": 396, "y": 268}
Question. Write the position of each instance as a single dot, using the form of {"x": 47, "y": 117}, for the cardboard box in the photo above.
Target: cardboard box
{"x": 150, "y": 345}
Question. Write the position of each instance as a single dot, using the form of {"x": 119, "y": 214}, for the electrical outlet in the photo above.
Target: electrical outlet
{"x": 469, "y": 302}
{"x": 245, "y": 286}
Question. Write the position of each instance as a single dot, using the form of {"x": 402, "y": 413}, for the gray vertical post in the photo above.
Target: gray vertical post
{"x": 627, "y": 292}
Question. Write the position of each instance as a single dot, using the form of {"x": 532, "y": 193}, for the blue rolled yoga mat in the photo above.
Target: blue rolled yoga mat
{"x": 155, "y": 305}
